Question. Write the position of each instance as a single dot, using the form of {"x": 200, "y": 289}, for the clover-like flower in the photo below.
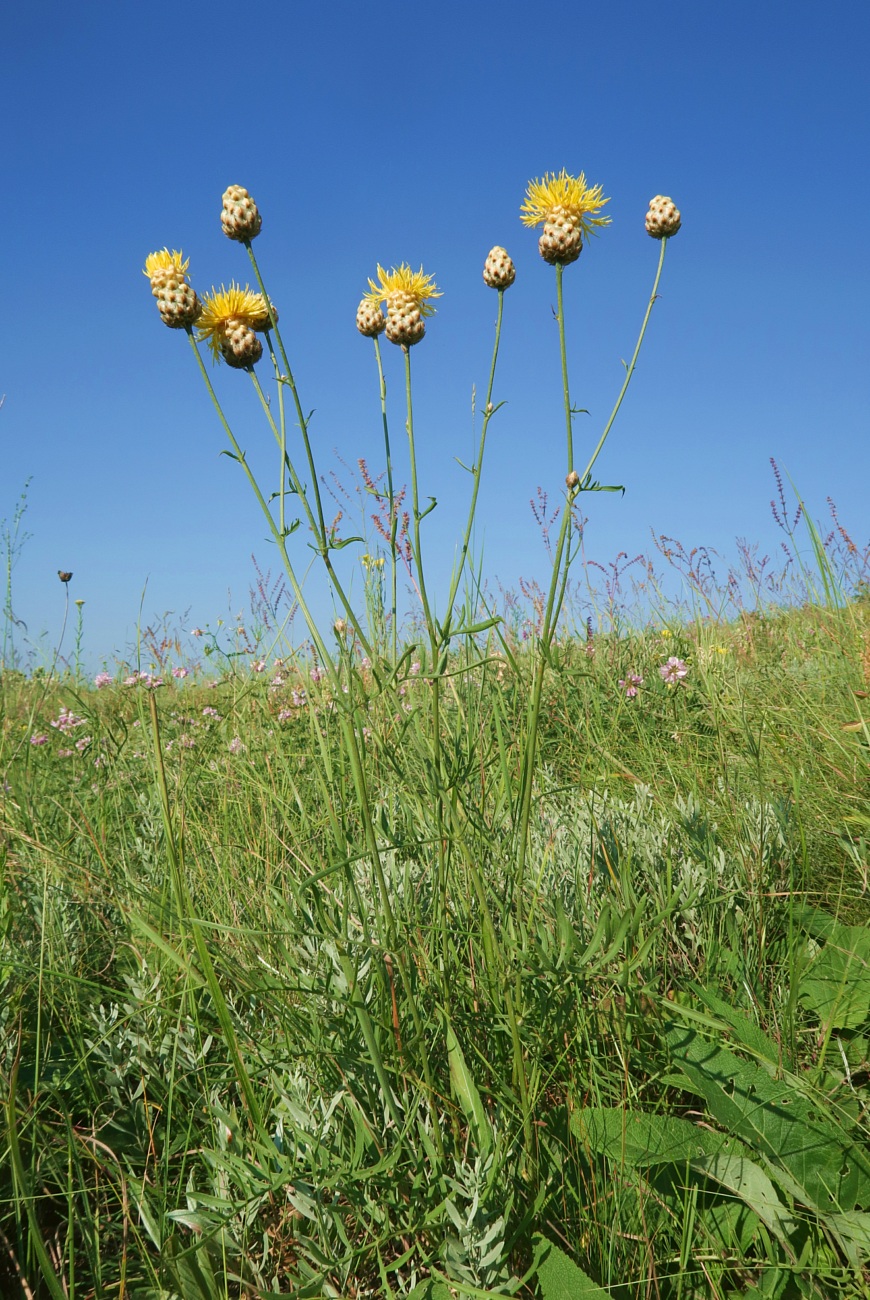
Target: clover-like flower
{"x": 674, "y": 670}
{"x": 406, "y": 294}
{"x": 565, "y": 206}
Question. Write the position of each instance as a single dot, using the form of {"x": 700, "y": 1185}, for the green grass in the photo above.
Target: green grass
{"x": 239, "y": 1057}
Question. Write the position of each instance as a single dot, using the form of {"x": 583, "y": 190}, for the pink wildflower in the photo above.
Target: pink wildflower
{"x": 209, "y": 712}
{"x": 102, "y": 679}
{"x": 179, "y": 672}
{"x": 630, "y": 685}
{"x": 41, "y": 739}
{"x": 236, "y": 746}
{"x": 67, "y": 721}
{"x": 674, "y": 670}
{"x": 285, "y": 714}
{"x": 83, "y": 743}
{"x": 259, "y": 666}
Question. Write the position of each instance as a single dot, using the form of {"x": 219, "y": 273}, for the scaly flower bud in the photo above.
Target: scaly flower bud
{"x": 239, "y": 215}
{"x": 663, "y": 218}
{"x": 370, "y": 319}
{"x": 499, "y": 271}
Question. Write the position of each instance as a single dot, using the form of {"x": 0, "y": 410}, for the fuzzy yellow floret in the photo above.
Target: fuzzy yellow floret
{"x": 164, "y": 261}
{"x": 225, "y": 308}
{"x": 401, "y": 279}
{"x": 571, "y": 194}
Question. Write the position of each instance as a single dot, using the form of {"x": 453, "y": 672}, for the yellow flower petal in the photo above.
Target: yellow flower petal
{"x": 163, "y": 260}
{"x": 223, "y": 307}
{"x": 571, "y": 194}
{"x": 401, "y": 279}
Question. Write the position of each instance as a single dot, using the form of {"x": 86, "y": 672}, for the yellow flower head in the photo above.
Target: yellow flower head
{"x": 569, "y": 194}
{"x": 164, "y": 261}
{"x": 224, "y": 309}
{"x": 402, "y": 279}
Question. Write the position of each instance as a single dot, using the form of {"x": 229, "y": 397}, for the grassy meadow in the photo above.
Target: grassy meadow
{"x": 231, "y": 1065}
{"x": 510, "y": 949}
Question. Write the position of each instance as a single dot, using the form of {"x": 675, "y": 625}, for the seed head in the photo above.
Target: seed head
{"x": 240, "y": 217}
{"x": 499, "y": 271}
{"x": 663, "y": 218}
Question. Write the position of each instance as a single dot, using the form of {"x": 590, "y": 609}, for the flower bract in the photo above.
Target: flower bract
{"x": 564, "y": 194}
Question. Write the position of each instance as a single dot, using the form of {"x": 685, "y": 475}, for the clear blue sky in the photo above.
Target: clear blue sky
{"x": 407, "y": 132}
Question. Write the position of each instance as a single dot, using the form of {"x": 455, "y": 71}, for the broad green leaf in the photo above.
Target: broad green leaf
{"x": 746, "y": 1031}
{"x": 836, "y": 984}
{"x": 638, "y": 1139}
{"x": 747, "y": 1181}
{"x": 561, "y": 1279}
{"x": 465, "y": 1091}
{"x": 430, "y": 1290}
{"x": 853, "y": 1232}
{"x": 830, "y": 1173}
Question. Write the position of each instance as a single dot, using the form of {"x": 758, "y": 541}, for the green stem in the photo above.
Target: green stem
{"x": 569, "y": 415}
{"x": 629, "y": 369}
{"x": 488, "y": 412}
{"x": 317, "y": 517}
{"x": 394, "y": 520}
{"x": 390, "y": 935}
{"x": 559, "y": 579}
{"x": 435, "y": 650}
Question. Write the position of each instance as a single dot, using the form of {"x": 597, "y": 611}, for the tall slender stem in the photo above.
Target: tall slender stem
{"x": 391, "y": 496}
{"x": 569, "y": 415}
{"x": 488, "y": 412}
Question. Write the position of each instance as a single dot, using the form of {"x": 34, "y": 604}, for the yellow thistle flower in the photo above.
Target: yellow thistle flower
{"x": 402, "y": 280}
{"x": 165, "y": 261}
{"x": 225, "y": 309}
{"x": 564, "y": 194}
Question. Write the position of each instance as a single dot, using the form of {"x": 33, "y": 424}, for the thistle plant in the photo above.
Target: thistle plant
{"x": 239, "y": 327}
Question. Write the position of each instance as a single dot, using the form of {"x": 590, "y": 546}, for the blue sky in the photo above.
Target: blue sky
{"x": 408, "y": 132}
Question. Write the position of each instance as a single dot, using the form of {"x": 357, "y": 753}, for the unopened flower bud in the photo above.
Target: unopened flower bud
{"x": 370, "y": 319}
{"x": 240, "y": 217}
{"x": 499, "y": 271}
{"x": 663, "y": 218}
